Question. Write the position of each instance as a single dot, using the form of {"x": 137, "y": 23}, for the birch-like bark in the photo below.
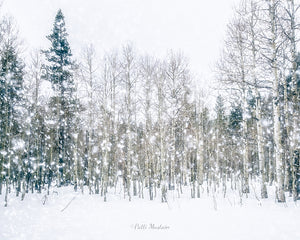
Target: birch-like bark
{"x": 276, "y": 106}
{"x": 253, "y": 21}
{"x": 200, "y": 149}
{"x": 245, "y": 147}
{"x": 260, "y": 147}
{"x": 160, "y": 85}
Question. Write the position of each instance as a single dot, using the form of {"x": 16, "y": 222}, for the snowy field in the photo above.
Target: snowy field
{"x": 67, "y": 215}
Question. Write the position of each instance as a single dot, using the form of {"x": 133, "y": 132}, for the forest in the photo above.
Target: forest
{"x": 143, "y": 124}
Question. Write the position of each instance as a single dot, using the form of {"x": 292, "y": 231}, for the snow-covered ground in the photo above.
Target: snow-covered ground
{"x": 89, "y": 217}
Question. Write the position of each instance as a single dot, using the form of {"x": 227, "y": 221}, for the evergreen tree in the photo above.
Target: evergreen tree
{"x": 11, "y": 110}
{"x": 59, "y": 71}
{"x": 235, "y": 118}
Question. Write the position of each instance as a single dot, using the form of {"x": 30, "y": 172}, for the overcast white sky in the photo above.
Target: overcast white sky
{"x": 195, "y": 27}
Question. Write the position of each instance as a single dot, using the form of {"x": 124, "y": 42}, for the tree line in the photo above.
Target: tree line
{"x": 141, "y": 124}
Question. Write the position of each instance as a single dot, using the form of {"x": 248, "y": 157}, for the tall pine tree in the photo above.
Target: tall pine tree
{"x": 59, "y": 71}
{"x": 11, "y": 106}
